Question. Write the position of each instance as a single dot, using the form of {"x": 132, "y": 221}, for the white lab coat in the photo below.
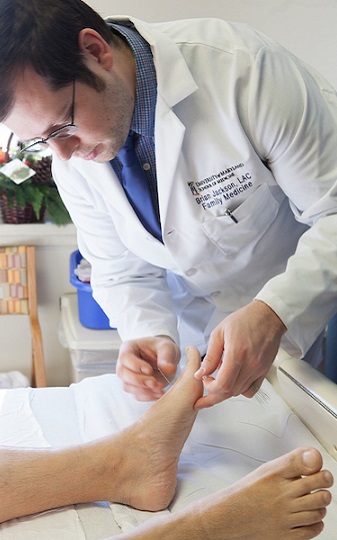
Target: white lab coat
{"x": 241, "y": 125}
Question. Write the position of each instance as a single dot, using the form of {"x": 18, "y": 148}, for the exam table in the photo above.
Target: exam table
{"x": 298, "y": 407}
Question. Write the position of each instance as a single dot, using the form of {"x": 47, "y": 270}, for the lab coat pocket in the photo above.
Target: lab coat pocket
{"x": 242, "y": 228}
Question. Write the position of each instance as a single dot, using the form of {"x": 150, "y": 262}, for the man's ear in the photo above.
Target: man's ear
{"x": 94, "y": 47}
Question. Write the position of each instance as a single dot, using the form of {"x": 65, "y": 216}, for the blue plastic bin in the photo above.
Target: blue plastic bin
{"x": 90, "y": 313}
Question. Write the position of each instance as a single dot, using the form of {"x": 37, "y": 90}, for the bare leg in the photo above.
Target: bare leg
{"x": 137, "y": 467}
{"x": 283, "y": 499}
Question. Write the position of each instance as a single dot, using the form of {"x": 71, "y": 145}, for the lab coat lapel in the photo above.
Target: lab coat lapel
{"x": 169, "y": 136}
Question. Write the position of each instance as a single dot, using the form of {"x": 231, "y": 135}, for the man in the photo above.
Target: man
{"x": 285, "y": 498}
{"x": 237, "y": 140}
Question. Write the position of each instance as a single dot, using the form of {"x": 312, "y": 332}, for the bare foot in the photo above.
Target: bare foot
{"x": 138, "y": 466}
{"x": 156, "y": 440}
{"x": 283, "y": 499}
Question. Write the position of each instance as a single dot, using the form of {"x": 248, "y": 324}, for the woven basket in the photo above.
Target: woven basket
{"x": 16, "y": 215}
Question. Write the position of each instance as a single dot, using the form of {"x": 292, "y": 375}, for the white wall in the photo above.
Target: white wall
{"x": 307, "y": 27}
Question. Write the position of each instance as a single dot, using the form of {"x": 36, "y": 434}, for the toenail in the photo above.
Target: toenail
{"x": 326, "y": 497}
{"x": 328, "y": 477}
{"x": 308, "y": 458}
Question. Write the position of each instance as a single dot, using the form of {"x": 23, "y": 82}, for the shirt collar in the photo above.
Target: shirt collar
{"x": 146, "y": 81}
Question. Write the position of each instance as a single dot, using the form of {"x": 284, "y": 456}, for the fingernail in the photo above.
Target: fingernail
{"x": 150, "y": 383}
{"x": 199, "y": 373}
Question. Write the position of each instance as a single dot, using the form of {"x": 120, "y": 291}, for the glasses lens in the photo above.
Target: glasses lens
{"x": 63, "y": 132}
{"x": 34, "y": 147}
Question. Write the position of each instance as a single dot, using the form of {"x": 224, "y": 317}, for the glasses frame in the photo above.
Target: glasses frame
{"x": 29, "y": 148}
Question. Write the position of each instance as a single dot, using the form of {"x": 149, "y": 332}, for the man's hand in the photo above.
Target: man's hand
{"x": 146, "y": 366}
{"x": 243, "y": 347}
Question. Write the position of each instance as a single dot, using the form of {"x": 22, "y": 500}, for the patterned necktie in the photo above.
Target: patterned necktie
{"x": 137, "y": 189}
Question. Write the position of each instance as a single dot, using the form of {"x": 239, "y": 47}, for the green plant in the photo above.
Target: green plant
{"x": 39, "y": 191}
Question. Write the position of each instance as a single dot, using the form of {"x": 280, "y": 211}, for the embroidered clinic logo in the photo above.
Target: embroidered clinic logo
{"x": 222, "y": 187}
{"x": 193, "y": 188}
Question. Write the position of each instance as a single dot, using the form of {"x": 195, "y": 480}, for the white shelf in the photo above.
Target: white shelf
{"x": 39, "y": 234}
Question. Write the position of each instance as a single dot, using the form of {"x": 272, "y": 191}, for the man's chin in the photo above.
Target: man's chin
{"x": 100, "y": 154}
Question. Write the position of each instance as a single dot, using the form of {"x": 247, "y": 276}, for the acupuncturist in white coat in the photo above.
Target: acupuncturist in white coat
{"x": 245, "y": 162}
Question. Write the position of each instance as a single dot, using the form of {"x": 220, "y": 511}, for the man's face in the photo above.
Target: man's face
{"x": 103, "y": 118}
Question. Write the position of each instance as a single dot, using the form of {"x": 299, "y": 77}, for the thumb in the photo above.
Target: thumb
{"x": 213, "y": 355}
{"x": 168, "y": 358}
{"x": 208, "y": 366}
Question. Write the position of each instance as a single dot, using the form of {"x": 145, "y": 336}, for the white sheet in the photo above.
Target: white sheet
{"x": 227, "y": 442}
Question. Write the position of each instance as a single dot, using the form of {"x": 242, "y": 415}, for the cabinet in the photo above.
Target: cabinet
{"x": 92, "y": 352}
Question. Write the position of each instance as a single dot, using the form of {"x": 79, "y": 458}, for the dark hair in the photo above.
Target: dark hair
{"x": 43, "y": 34}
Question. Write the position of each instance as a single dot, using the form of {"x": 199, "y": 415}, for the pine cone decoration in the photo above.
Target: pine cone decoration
{"x": 42, "y": 167}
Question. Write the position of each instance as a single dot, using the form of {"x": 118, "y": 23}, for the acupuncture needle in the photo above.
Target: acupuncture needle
{"x": 164, "y": 376}
{"x": 261, "y": 395}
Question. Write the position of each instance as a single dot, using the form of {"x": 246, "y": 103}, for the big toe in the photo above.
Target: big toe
{"x": 301, "y": 462}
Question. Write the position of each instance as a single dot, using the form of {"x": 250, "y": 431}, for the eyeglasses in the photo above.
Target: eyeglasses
{"x": 63, "y": 132}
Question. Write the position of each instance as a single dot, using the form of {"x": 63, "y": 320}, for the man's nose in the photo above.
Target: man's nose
{"x": 64, "y": 148}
